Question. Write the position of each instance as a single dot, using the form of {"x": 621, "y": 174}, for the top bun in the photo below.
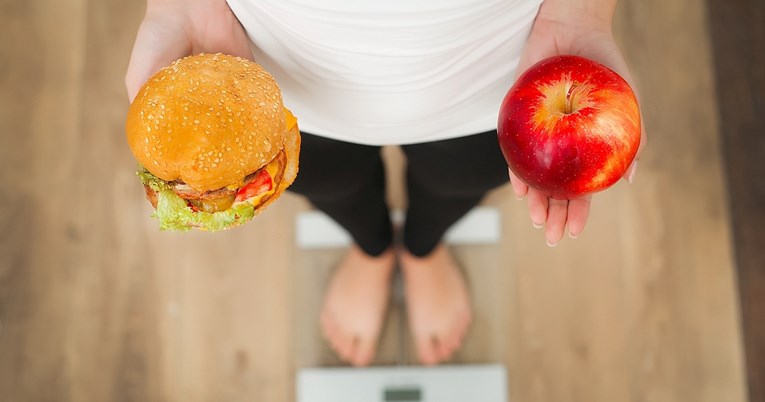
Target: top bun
{"x": 208, "y": 120}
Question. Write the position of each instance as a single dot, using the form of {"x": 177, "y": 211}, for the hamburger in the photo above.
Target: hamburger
{"x": 214, "y": 143}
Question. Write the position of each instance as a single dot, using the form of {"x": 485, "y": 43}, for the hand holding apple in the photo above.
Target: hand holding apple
{"x": 569, "y": 127}
{"x": 576, "y": 27}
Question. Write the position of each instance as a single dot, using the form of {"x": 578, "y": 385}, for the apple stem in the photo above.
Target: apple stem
{"x": 569, "y": 101}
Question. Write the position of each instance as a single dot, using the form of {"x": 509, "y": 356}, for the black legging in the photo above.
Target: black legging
{"x": 445, "y": 179}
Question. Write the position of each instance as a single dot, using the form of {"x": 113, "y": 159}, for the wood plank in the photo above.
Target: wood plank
{"x": 738, "y": 38}
{"x": 41, "y": 81}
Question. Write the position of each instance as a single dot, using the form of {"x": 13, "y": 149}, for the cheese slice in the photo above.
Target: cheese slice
{"x": 290, "y": 119}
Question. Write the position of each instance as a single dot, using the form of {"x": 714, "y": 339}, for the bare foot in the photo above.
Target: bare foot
{"x": 438, "y": 303}
{"x": 355, "y": 304}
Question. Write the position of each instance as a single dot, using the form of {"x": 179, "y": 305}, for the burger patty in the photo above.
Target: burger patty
{"x": 187, "y": 193}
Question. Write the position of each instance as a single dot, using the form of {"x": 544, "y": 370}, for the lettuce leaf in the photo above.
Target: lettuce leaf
{"x": 174, "y": 213}
{"x": 150, "y": 180}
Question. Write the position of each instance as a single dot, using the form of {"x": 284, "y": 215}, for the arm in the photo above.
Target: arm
{"x": 579, "y": 27}
{"x": 172, "y": 29}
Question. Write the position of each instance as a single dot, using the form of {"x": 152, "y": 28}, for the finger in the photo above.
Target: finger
{"x": 557, "y": 214}
{"x": 629, "y": 175}
{"x": 578, "y": 211}
{"x": 519, "y": 187}
{"x": 227, "y": 36}
{"x": 156, "y": 46}
{"x": 537, "y": 208}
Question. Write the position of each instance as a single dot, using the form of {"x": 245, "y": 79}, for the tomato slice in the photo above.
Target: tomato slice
{"x": 259, "y": 185}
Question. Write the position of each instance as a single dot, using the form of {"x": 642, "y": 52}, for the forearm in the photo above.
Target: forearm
{"x": 591, "y": 13}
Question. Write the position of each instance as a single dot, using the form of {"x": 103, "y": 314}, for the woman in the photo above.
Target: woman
{"x": 425, "y": 74}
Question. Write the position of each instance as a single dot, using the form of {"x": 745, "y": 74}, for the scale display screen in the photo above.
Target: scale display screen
{"x": 402, "y": 395}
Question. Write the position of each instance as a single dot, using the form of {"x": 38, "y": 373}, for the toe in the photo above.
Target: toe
{"x": 453, "y": 339}
{"x": 444, "y": 348}
{"x": 339, "y": 340}
{"x": 344, "y": 346}
{"x": 363, "y": 351}
{"x": 426, "y": 350}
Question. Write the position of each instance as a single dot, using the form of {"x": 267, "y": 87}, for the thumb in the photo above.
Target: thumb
{"x": 157, "y": 44}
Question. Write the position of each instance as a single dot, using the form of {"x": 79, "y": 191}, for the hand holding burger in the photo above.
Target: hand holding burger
{"x": 214, "y": 141}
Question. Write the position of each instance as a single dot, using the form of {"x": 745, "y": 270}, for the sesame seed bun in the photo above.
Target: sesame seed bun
{"x": 208, "y": 120}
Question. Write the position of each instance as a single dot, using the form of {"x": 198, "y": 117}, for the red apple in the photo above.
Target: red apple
{"x": 569, "y": 126}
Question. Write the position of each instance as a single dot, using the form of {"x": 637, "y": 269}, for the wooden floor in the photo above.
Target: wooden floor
{"x": 97, "y": 305}
{"x": 739, "y": 48}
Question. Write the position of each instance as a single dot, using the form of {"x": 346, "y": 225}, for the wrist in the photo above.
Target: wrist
{"x": 159, "y": 4}
{"x": 586, "y": 14}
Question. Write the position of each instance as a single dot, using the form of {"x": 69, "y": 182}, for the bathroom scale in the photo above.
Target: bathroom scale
{"x": 459, "y": 383}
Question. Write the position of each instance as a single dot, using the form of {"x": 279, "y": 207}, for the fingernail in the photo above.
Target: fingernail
{"x": 518, "y": 197}
{"x": 551, "y": 244}
{"x": 537, "y": 225}
{"x": 573, "y": 236}
{"x": 631, "y": 177}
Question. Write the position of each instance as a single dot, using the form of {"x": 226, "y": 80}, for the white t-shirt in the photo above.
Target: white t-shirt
{"x": 391, "y": 71}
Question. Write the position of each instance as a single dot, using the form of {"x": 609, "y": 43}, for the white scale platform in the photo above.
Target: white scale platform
{"x": 470, "y": 383}
{"x": 482, "y": 225}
